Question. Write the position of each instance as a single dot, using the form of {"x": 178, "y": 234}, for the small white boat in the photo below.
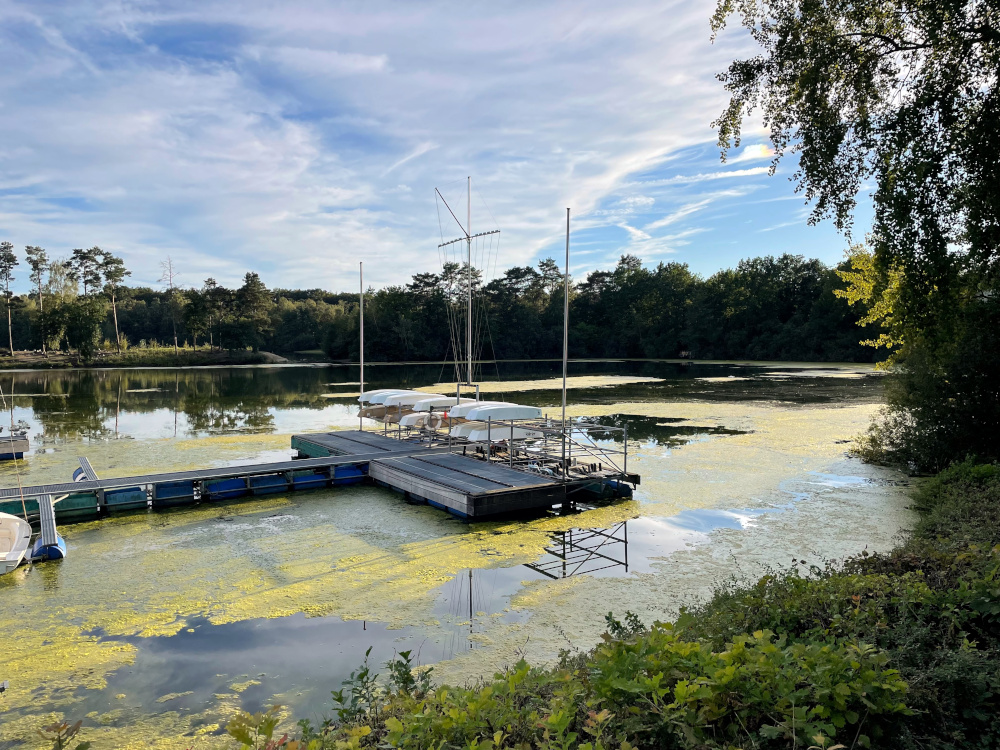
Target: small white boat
{"x": 498, "y": 433}
{"x": 375, "y": 401}
{"x": 463, "y": 430}
{"x": 432, "y": 419}
{"x": 15, "y": 535}
{"x": 367, "y": 396}
{"x": 442, "y": 404}
{"x": 460, "y": 411}
{"x": 499, "y": 412}
{"x": 407, "y": 400}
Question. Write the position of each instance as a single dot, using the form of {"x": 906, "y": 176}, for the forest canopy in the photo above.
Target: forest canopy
{"x": 778, "y": 308}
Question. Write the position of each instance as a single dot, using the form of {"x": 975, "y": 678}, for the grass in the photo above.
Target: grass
{"x": 899, "y": 650}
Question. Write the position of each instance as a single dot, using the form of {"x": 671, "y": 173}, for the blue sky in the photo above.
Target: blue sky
{"x": 295, "y": 139}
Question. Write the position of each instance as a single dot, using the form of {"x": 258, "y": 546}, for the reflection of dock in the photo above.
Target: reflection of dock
{"x": 580, "y": 551}
{"x": 469, "y": 486}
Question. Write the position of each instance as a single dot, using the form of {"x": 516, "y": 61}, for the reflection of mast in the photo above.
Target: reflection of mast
{"x": 177, "y": 388}
{"x": 118, "y": 405}
{"x": 470, "y": 607}
{"x": 581, "y": 551}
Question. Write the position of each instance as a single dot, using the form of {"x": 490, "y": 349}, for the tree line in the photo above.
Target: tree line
{"x": 780, "y": 308}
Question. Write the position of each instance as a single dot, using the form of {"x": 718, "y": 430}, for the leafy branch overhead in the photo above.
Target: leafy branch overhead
{"x": 900, "y": 92}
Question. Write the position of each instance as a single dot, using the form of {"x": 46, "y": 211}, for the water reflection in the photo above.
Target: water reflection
{"x": 104, "y": 404}
{"x": 584, "y": 551}
{"x": 657, "y": 430}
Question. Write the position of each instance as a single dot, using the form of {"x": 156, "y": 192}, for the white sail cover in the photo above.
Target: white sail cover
{"x": 441, "y": 403}
{"x": 503, "y": 411}
{"x": 460, "y": 411}
{"x": 410, "y": 398}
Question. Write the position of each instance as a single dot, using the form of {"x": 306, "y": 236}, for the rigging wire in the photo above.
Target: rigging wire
{"x": 17, "y": 470}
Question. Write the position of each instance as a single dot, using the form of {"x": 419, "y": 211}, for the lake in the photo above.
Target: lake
{"x": 159, "y": 625}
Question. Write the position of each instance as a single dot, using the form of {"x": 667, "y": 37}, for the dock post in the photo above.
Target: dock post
{"x": 569, "y": 446}
{"x": 625, "y": 444}
{"x": 510, "y": 446}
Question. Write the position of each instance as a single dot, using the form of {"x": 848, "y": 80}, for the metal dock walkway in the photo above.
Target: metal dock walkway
{"x": 467, "y": 486}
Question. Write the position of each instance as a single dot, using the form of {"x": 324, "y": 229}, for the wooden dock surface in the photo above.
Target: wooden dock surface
{"x": 466, "y": 486}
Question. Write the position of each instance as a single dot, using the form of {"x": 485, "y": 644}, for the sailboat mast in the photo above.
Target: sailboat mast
{"x": 565, "y": 338}
{"x": 468, "y": 234}
{"x": 361, "y": 297}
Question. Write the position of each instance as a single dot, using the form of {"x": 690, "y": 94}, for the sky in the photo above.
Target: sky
{"x": 296, "y": 139}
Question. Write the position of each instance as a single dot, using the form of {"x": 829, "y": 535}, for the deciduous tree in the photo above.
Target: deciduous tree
{"x": 903, "y": 94}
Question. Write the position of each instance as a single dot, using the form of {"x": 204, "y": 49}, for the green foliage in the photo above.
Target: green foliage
{"x": 359, "y": 695}
{"x": 256, "y": 731}
{"x": 61, "y": 735}
{"x": 902, "y": 94}
{"x": 85, "y": 268}
{"x": 932, "y": 606}
{"x": 652, "y": 689}
{"x": 81, "y": 319}
{"x": 618, "y": 629}
{"x": 402, "y": 678}
{"x": 766, "y": 308}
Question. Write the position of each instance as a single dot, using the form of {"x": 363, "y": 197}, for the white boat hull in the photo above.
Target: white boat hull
{"x": 15, "y": 535}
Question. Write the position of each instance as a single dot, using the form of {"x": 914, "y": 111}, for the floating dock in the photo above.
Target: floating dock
{"x": 465, "y": 484}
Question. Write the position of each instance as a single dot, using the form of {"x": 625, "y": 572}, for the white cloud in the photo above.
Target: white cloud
{"x": 677, "y": 215}
{"x": 704, "y": 177}
{"x": 319, "y": 62}
{"x": 637, "y": 201}
{"x": 420, "y": 150}
{"x": 755, "y": 152}
{"x": 278, "y": 137}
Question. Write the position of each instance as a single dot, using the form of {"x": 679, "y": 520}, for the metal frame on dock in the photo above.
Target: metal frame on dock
{"x": 470, "y": 479}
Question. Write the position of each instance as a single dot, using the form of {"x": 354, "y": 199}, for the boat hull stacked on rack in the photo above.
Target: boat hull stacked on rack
{"x": 464, "y": 418}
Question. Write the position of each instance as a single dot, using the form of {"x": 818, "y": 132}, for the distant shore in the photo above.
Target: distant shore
{"x": 159, "y": 357}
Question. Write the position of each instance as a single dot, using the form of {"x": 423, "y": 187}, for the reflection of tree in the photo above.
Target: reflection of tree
{"x": 89, "y": 403}
{"x": 659, "y": 430}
